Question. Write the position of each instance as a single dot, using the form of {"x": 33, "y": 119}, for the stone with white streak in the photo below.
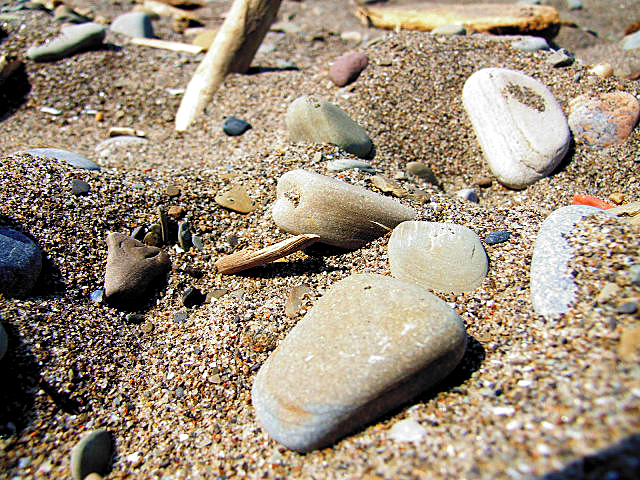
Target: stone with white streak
{"x": 519, "y": 124}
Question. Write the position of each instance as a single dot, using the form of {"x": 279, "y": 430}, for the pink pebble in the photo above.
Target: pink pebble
{"x": 346, "y": 68}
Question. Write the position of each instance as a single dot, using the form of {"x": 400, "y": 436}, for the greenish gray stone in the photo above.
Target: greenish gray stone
{"x": 72, "y": 39}
{"x": 92, "y": 454}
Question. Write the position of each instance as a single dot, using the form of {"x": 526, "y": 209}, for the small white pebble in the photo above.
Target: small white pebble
{"x": 133, "y": 457}
{"x": 525, "y": 383}
{"x": 513, "y": 425}
{"x": 503, "y": 411}
{"x": 548, "y": 425}
{"x": 183, "y": 437}
{"x": 543, "y": 449}
{"x": 51, "y": 110}
{"x": 407, "y": 431}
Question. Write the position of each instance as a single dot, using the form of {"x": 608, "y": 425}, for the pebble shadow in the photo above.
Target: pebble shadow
{"x": 14, "y": 92}
{"x": 562, "y": 166}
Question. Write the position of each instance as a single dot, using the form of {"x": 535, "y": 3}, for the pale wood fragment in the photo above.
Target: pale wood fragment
{"x": 166, "y": 45}
{"x": 245, "y": 259}
{"x": 163, "y": 10}
{"x": 233, "y": 50}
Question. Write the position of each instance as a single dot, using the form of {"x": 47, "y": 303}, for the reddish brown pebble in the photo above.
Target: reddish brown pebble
{"x": 633, "y": 75}
{"x": 603, "y": 120}
{"x": 347, "y": 68}
{"x": 175, "y": 211}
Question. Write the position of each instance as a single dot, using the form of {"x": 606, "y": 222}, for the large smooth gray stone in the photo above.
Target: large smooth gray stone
{"x": 314, "y": 120}
{"x": 438, "y": 256}
{"x": 92, "y": 454}
{"x": 71, "y": 158}
{"x": 20, "y": 263}
{"x": 133, "y": 24}
{"x": 370, "y": 344}
{"x": 132, "y": 270}
{"x": 72, "y": 39}
{"x": 552, "y": 286}
{"x": 342, "y": 214}
{"x": 519, "y": 124}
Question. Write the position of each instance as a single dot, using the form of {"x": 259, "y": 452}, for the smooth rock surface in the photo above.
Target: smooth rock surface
{"x": 552, "y": 286}
{"x": 561, "y": 58}
{"x": 132, "y": 270}
{"x": 519, "y": 124}
{"x": 233, "y": 126}
{"x": 342, "y": 214}
{"x": 444, "y": 257}
{"x": 73, "y": 38}
{"x": 468, "y": 194}
{"x": 632, "y": 41}
{"x": 449, "y": 30}
{"x": 133, "y": 24}
{"x": 314, "y": 120}
{"x": 347, "y": 68}
{"x": 92, "y": 454}
{"x": 603, "y": 120}
{"x": 530, "y": 44}
{"x": 71, "y": 158}
{"x": 325, "y": 381}
{"x": 20, "y": 263}
{"x": 348, "y": 164}
{"x": 407, "y": 430}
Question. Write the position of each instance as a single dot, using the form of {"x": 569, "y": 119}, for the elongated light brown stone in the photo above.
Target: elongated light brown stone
{"x": 245, "y": 259}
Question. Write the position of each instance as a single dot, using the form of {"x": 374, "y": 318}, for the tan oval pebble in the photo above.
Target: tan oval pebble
{"x": 386, "y": 185}
{"x": 617, "y": 197}
{"x": 603, "y": 120}
{"x": 444, "y": 257}
{"x": 629, "y": 346}
{"x": 342, "y": 214}
{"x": 603, "y": 70}
{"x": 236, "y": 199}
{"x": 295, "y": 298}
{"x": 370, "y": 344}
{"x": 205, "y": 38}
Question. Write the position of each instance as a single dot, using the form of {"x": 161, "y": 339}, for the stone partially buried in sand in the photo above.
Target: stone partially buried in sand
{"x": 73, "y": 39}
{"x": 603, "y": 120}
{"x": 133, "y": 268}
{"x": 438, "y": 256}
{"x": 133, "y": 24}
{"x": 519, "y": 124}
{"x": 314, "y": 120}
{"x": 342, "y": 214}
{"x": 20, "y": 263}
{"x": 347, "y": 68}
{"x": 73, "y": 159}
{"x": 92, "y": 454}
{"x": 326, "y": 380}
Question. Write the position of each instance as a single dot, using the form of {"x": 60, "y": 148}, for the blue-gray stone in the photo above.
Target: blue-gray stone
{"x": 184, "y": 236}
{"x": 530, "y": 44}
{"x": 574, "y": 4}
{"x": 197, "y": 242}
{"x": 628, "y": 307}
{"x": 234, "y": 126}
{"x": 72, "y": 39}
{"x": 499, "y": 236}
{"x": 92, "y": 454}
{"x": 20, "y": 263}
{"x": 631, "y": 41}
{"x": 347, "y": 164}
{"x": 79, "y": 187}
{"x": 71, "y": 158}
{"x": 561, "y": 58}
{"x": 552, "y": 286}
{"x": 133, "y": 24}
{"x": 634, "y": 272}
{"x": 97, "y": 296}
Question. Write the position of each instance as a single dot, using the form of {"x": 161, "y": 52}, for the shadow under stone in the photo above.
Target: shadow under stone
{"x": 13, "y": 92}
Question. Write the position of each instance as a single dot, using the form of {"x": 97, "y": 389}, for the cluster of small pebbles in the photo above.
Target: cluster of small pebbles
{"x": 405, "y": 338}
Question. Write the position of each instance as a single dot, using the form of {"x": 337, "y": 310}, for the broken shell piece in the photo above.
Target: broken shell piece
{"x": 245, "y": 259}
{"x": 445, "y": 257}
{"x": 342, "y": 214}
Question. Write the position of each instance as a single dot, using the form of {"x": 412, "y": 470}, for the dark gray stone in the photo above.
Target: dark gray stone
{"x": 233, "y": 126}
{"x": 20, "y": 263}
{"x": 79, "y": 187}
{"x": 499, "y": 236}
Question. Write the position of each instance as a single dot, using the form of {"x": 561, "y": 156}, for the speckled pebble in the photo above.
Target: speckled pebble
{"x": 499, "y": 236}
{"x": 237, "y": 199}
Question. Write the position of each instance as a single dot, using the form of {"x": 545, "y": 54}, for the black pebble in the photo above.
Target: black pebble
{"x": 234, "y": 126}
{"x": 497, "y": 237}
{"x": 192, "y": 297}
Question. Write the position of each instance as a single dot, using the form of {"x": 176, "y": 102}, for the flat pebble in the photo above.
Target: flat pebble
{"x": 295, "y": 298}
{"x": 348, "y": 164}
{"x": 92, "y": 454}
{"x": 325, "y": 381}
{"x": 72, "y": 39}
{"x": 20, "y": 263}
{"x": 133, "y": 24}
{"x": 237, "y": 199}
{"x": 132, "y": 270}
{"x": 234, "y": 127}
{"x": 445, "y": 257}
{"x": 468, "y": 194}
{"x": 519, "y": 124}
{"x": 407, "y": 430}
{"x": 314, "y": 120}
{"x": 499, "y": 236}
{"x": 608, "y": 292}
{"x": 561, "y": 58}
{"x": 342, "y": 214}
{"x": 449, "y": 30}
{"x": 551, "y": 284}
{"x": 629, "y": 346}
{"x": 79, "y": 187}
{"x": 422, "y": 171}
{"x": 530, "y": 44}
{"x": 105, "y": 146}
{"x": 627, "y": 307}
{"x": 347, "y": 68}
{"x": 603, "y": 120}
{"x": 634, "y": 274}
{"x": 386, "y": 185}
{"x": 71, "y": 158}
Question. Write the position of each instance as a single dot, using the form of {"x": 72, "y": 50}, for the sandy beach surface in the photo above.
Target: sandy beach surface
{"x": 533, "y": 397}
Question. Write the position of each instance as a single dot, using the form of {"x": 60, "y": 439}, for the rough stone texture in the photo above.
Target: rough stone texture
{"x": 132, "y": 270}
{"x": 438, "y": 256}
{"x": 519, "y": 124}
{"x": 20, "y": 263}
{"x": 342, "y": 214}
{"x": 73, "y": 39}
{"x": 133, "y": 24}
{"x": 314, "y": 120}
{"x": 603, "y": 120}
{"x": 71, "y": 158}
{"x": 347, "y": 68}
{"x": 236, "y": 199}
{"x": 325, "y": 380}
{"x": 92, "y": 454}
{"x": 552, "y": 286}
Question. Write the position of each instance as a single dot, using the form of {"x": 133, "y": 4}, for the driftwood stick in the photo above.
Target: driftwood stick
{"x": 233, "y": 50}
{"x": 245, "y": 259}
{"x": 166, "y": 45}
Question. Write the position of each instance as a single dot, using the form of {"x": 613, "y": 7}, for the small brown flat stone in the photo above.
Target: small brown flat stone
{"x": 629, "y": 346}
{"x": 236, "y": 199}
{"x": 176, "y": 211}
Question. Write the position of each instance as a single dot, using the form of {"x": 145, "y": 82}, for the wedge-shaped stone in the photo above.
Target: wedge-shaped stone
{"x": 73, "y": 39}
{"x": 519, "y": 124}
{"x": 492, "y": 18}
{"x": 342, "y": 215}
{"x": 445, "y": 257}
{"x": 133, "y": 268}
{"x": 369, "y": 345}
{"x": 314, "y": 120}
